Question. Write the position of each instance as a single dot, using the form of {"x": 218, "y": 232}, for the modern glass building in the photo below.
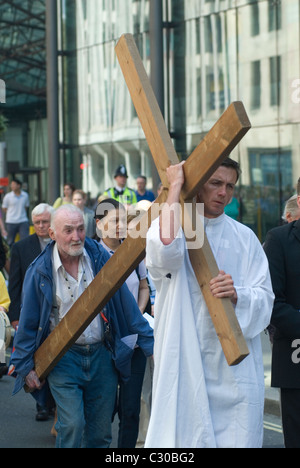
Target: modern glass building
{"x": 212, "y": 52}
{"x": 23, "y": 149}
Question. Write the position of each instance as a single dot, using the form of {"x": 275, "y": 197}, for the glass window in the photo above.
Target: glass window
{"x": 255, "y": 26}
{"x": 274, "y": 10}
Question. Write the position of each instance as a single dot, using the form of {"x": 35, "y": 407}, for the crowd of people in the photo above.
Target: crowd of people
{"x": 152, "y": 356}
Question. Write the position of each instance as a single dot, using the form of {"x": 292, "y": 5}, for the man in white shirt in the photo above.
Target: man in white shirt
{"x": 84, "y": 382}
{"x": 198, "y": 400}
{"x": 15, "y": 204}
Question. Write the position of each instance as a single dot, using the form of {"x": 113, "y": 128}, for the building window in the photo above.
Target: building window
{"x": 254, "y": 19}
{"x": 274, "y": 10}
{"x": 208, "y": 34}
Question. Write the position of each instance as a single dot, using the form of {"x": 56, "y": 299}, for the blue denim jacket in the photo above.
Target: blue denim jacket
{"x": 121, "y": 311}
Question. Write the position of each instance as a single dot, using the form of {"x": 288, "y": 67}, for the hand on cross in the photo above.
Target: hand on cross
{"x": 175, "y": 176}
{"x": 223, "y": 286}
{"x": 170, "y": 215}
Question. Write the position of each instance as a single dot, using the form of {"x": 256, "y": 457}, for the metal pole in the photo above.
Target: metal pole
{"x": 157, "y": 64}
{"x": 3, "y": 161}
{"x": 156, "y": 51}
{"x": 52, "y": 101}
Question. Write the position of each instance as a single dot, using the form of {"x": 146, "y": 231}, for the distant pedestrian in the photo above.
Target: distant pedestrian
{"x": 67, "y": 196}
{"x": 291, "y": 210}
{"x": 142, "y": 193}
{"x": 79, "y": 199}
{"x": 15, "y": 205}
{"x": 120, "y": 191}
{"x": 23, "y": 253}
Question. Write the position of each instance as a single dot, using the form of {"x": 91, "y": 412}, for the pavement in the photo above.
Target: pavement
{"x": 19, "y": 429}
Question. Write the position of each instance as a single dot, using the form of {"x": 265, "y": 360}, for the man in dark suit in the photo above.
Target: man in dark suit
{"x": 282, "y": 247}
{"x": 22, "y": 255}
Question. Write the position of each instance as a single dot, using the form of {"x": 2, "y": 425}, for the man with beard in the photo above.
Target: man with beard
{"x": 84, "y": 382}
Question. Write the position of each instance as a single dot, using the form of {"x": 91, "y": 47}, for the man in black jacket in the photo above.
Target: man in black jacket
{"x": 282, "y": 247}
{"x": 22, "y": 255}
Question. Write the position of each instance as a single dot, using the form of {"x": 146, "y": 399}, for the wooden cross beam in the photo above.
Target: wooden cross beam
{"x": 202, "y": 163}
{"x": 224, "y": 136}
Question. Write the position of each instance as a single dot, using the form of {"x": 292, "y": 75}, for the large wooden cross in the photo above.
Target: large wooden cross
{"x": 202, "y": 163}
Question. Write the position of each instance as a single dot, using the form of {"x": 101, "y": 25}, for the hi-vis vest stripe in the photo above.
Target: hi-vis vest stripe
{"x": 127, "y": 197}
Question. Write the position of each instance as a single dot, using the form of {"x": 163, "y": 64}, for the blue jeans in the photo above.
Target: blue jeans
{"x": 84, "y": 386}
{"x": 14, "y": 229}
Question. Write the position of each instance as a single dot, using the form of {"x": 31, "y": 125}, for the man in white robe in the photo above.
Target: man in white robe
{"x": 198, "y": 400}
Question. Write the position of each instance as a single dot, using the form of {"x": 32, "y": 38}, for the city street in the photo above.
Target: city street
{"x": 18, "y": 428}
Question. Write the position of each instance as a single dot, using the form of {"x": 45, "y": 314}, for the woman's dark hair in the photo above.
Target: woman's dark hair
{"x": 72, "y": 186}
{"x": 102, "y": 210}
{"x": 106, "y": 206}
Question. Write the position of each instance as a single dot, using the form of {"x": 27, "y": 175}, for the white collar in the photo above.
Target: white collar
{"x": 214, "y": 221}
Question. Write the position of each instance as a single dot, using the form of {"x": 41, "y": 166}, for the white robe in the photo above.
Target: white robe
{"x": 198, "y": 400}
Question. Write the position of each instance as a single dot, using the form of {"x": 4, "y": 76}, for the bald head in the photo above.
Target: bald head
{"x": 64, "y": 212}
{"x": 67, "y": 229}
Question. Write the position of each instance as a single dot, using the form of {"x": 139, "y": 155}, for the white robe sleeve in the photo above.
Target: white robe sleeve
{"x": 255, "y": 297}
{"x": 161, "y": 259}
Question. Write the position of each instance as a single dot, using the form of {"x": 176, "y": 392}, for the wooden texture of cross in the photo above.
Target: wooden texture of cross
{"x": 202, "y": 163}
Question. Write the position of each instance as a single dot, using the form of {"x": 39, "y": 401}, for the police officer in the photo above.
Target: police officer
{"x": 120, "y": 192}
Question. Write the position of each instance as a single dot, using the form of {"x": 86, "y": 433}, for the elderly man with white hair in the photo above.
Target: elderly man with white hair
{"x": 84, "y": 382}
{"x": 23, "y": 253}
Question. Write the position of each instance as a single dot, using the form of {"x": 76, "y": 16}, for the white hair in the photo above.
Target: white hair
{"x": 68, "y": 208}
{"x": 41, "y": 209}
{"x": 291, "y": 207}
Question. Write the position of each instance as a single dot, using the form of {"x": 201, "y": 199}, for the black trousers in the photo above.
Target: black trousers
{"x": 130, "y": 401}
{"x": 290, "y": 408}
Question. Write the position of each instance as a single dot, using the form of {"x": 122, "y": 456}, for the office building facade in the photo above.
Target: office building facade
{"x": 213, "y": 52}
